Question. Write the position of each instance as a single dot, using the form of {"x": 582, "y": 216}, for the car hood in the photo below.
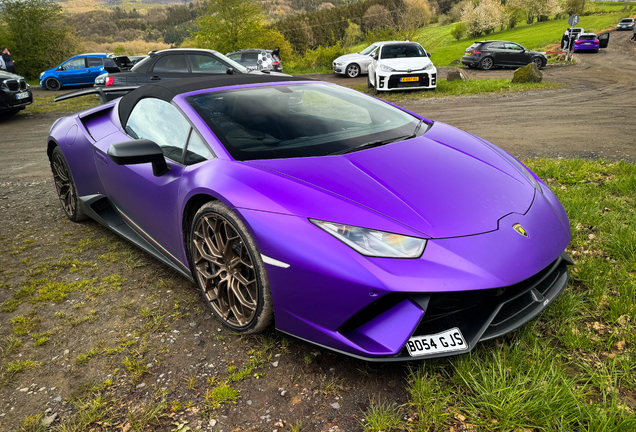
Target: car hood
{"x": 413, "y": 63}
{"x": 350, "y": 57}
{"x": 446, "y": 183}
{"x": 8, "y": 75}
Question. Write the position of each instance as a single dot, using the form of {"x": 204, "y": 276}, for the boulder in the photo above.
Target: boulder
{"x": 528, "y": 73}
{"x": 456, "y": 74}
{"x": 456, "y": 62}
{"x": 561, "y": 57}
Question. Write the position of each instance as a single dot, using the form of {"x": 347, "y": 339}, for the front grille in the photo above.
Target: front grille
{"x": 423, "y": 81}
{"x": 23, "y": 84}
{"x": 12, "y": 85}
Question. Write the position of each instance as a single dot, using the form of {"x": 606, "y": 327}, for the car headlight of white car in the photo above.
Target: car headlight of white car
{"x": 428, "y": 66}
{"x": 339, "y": 63}
{"x": 385, "y": 68}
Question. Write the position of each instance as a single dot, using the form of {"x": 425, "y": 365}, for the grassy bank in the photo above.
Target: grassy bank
{"x": 44, "y": 103}
{"x": 462, "y": 88}
{"x": 573, "y": 368}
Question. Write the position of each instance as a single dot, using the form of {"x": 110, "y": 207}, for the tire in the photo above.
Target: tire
{"x": 538, "y": 62}
{"x": 52, "y": 84}
{"x": 229, "y": 269}
{"x": 65, "y": 187}
{"x": 486, "y": 63}
{"x": 353, "y": 70}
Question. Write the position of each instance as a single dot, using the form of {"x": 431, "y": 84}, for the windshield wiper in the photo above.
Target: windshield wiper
{"x": 371, "y": 145}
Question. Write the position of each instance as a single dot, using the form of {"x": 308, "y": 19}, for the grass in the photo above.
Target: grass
{"x": 43, "y": 103}
{"x": 574, "y": 367}
{"x": 220, "y": 395}
{"x": 462, "y": 88}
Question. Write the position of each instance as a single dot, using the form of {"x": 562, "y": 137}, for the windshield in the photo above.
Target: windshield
{"x": 368, "y": 50}
{"x": 402, "y": 51}
{"x": 299, "y": 120}
{"x": 237, "y": 66}
{"x": 628, "y": 20}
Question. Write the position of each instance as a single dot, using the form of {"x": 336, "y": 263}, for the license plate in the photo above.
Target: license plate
{"x": 409, "y": 79}
{"x": 468, "y": 53}
{"x": 446, "y": 341}
{"x": 22, "y": 95}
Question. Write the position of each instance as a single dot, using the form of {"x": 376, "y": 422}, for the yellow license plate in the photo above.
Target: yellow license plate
{"x": 468, "y": 53}
{"x": 408, "y": 79}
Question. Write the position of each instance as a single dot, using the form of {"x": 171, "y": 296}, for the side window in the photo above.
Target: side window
{"x": 514, "y": 47}
{"x": 75, "y": 64}
{"x": 197, "y": 151}
{"x": 236, "y": 57}
{"x": 148, "y": 120}
{"x": 201, "y": 63}
{"x": 496, "y": 45}
{"x": 171, "y": 63}
{"x": 94, "y": 62}
{"x": 250, "y": 57}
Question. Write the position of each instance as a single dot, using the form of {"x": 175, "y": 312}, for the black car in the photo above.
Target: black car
{"x": 488, "y": 54}
{"x": 626, "y": 24}
{"x": 168, "y": 65}
{"x": 15, "y": 93}
{"x": 258, "y": 59}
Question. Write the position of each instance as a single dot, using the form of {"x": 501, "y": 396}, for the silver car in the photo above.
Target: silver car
{"x": 356, "y": 64}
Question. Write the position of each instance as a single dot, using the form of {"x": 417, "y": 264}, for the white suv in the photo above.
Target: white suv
{"x": 401, "y": 65}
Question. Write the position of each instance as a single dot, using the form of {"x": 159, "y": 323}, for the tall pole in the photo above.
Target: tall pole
{"x": 567, "y": 57}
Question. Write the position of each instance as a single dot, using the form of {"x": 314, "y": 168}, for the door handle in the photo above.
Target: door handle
{"x": 102, "y": 157}
{"x": 154, "y": 78}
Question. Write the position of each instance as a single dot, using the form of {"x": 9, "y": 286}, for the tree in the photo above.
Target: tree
{"x": 377, "y": 17}
{"x": 483, "y": 18}
{"x": 353, "y": 35}
{"x": 229, "y": 25}
{"x": 416, "y": 14}
{"x": 536, "y": 8}
{"x": 36, "y": 35}
{"x": 573, "y": 7}
{"x": 459, "y": 31}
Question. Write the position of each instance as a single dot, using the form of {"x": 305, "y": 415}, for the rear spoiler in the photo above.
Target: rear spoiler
{"x": 101, "y": 91}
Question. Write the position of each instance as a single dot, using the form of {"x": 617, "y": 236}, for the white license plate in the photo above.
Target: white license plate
{"x": 446, "y": 341}
{"x": 22, "y": 95}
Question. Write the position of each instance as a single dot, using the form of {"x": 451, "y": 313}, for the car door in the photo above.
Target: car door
{"x": 516, "y": 54}
{"x": 373, "y": 65}
{"x": 498, "y": 53}
{"x": 148, "y": 202}
{"x": 169, "y": 67}
{"x": 72, "y": 72}
{"x": 603, "y": 40}
{"x": 95, "y": 67}
{"x": 365, "y": 61}
{"x": 207, "y": 64}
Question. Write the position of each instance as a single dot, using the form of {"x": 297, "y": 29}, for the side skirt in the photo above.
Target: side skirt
{"x": 99, "y": 208}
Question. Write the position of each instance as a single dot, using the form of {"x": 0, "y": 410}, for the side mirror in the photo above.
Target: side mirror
{"x": 138, "y": 152}
{"x": 61, "y": 68}
{"x": 428, "y": 54}
{"x": 375, "y": 56}
{"x": 230, "y": 71}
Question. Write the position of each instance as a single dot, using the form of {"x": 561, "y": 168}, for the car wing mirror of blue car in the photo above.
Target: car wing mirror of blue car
{"x": 61, "y": 68}
{"x": 138, "y": 152}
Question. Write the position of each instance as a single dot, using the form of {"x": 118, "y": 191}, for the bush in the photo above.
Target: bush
{"x": 459, "y": 31}
{"x": 321, "y": 56}
{"x": 353, "y": 35}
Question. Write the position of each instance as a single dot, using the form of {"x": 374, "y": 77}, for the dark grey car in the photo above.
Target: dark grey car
{"x": 489, "y": 54}
{"x": 15, "y": 93}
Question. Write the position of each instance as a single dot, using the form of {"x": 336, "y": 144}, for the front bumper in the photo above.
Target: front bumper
{"x": 387, "y": 81}
{"x": 339, "y": 69}
{"x": 9, "y": 98}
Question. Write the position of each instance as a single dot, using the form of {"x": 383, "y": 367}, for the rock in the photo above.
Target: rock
{"x": 526, "y": 74}
{"x": 283, "y": 393}
{"x": 335, "y": 405}
{"x": 193, "y": 324}
{"x": 142, "y": 385}
{"x": 456, "y": 62}
{"x": 456, "y": 74}
{"x": 58, "y": 399}
{"x": 25, "y": 389}
{"x": 48, "y": 421}
{"x": 149, "y": 365}
{"x": 212, "y": 422}
{"x": 275, "y": 364}
{"x": 249, "y": 402}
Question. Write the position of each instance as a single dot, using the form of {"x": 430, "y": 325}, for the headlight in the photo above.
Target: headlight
{"x": 428, "y": 66}
{"x": 385, "y": 68}
{"x": 42, "y": 73}
{"x": 338, "y": 64}
{"x": 374, "y": 243}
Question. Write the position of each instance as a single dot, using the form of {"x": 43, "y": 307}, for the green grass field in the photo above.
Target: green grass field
{"x": 573, "y": 368}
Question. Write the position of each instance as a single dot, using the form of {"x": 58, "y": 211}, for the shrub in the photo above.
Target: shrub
{"x": 459, "y": 31}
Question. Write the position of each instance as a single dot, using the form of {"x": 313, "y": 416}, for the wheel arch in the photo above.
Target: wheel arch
{"x": 50, "y": 147}
{"x": 191, "y": 207}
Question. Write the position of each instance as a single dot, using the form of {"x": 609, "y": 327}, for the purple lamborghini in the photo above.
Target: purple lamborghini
{"x": 338, "y": 218}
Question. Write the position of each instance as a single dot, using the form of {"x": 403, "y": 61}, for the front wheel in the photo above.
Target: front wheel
{"x": 538, "y": 62}
{"x": 353, "y": 70}
{"x": 65, "y": 186}
{"x": 52, "y": 84}
{"x": 229, "y": 269}
{"x": 486, "y": 63}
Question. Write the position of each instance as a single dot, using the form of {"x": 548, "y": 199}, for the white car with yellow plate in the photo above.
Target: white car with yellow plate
{"x": 402, "y": 65}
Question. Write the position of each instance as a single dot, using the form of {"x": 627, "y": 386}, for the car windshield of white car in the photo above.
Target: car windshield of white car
{"x": 368, "y": 50}
{"x": 300, "y": 120}
{"x": 402, "y": 51}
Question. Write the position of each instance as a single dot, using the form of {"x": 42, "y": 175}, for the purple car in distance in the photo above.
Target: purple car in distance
{"x": 334, "y": 216}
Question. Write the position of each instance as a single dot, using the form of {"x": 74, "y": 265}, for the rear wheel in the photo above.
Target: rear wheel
{"x": 538, "y": 62}
{"x": 486, "y": 63}
{"x": 353, "y": 70}
{"x": 65, "y": 186}
{"x": 52, "y": 84}
{"x": 229, "y": 269}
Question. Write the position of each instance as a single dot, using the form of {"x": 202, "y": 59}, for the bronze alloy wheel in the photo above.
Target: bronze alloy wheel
{"x": 65, "y": 186}
{"x": 226, "y": 271}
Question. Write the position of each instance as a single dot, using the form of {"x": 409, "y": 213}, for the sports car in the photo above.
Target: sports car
{"x": 336, "y": 217}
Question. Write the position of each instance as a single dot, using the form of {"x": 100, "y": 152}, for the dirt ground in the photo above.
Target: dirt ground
{"x": 111, "y": 320}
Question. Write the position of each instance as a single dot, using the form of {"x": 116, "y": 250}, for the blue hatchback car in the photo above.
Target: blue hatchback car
{"x": 78, "y": 70}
